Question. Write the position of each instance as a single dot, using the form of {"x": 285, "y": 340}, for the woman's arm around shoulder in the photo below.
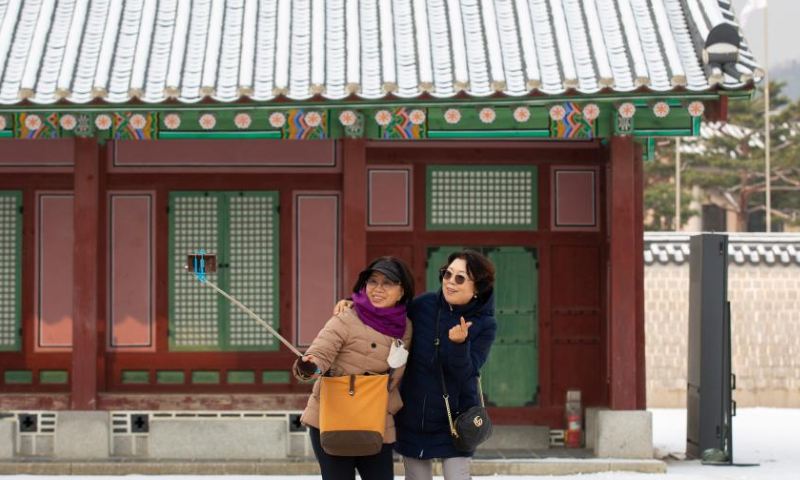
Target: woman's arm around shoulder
{"x": 418, "y": 303}
{"x": 409, "y": 333}
{"x": 397, "y": 374}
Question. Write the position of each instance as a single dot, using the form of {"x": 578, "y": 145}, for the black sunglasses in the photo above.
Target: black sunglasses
{"x": 447, "y": 275}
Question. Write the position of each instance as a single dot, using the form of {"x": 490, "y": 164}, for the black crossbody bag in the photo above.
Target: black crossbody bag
{"x": 472, "y": 427}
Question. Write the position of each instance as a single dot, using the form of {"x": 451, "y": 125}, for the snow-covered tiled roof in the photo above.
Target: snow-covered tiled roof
{"x": 114, "y": 50}
{"x": 743, "y": 248}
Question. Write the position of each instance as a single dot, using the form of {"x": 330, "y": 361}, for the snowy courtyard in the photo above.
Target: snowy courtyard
{"x": 762, "y": 436}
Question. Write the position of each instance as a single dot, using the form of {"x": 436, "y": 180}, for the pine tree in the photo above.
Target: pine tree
{"x": 727, "y": 163}
{"x": 659, "y": 190}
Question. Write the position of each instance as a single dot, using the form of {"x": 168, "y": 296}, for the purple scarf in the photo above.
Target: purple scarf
{"x": 389, "y": 321}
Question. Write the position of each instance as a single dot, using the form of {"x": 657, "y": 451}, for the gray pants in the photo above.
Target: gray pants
{"x": 456, "y": 468}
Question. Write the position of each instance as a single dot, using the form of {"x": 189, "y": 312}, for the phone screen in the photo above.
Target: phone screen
{"x": 209, "y": 262}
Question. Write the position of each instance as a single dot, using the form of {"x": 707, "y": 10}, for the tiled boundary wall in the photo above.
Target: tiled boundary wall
{"x": 764, "y": 291}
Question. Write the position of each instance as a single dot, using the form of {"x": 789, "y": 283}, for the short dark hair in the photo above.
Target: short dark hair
{"x": 479, "y": 268}
{"x": 406, "y": 279}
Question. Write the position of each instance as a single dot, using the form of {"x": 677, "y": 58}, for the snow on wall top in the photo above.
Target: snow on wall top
{"x": 116, "y": 50}
{"x": 743, "y": 248}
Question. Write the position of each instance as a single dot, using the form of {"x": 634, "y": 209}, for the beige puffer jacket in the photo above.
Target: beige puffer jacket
{"x": 347, "y": 346}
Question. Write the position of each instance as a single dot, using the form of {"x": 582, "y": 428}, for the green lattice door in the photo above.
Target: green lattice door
{"x": 10, "y": 270}
{"x": 242, "y": 229}
{"x": 511, "y": 374}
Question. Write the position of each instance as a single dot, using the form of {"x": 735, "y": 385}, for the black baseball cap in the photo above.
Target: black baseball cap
{"x": 387, "y": 268}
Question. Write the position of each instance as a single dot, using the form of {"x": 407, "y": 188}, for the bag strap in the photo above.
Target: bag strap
{"x": 480, "y": 391}
{"x": 446, "y": 395}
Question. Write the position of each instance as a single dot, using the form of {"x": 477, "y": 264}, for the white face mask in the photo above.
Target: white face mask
{"x": 398, "y": 355}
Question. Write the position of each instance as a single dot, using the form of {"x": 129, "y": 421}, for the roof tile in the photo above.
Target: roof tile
{"x": 743, "y": 248}
{"x": 227, "y": 49}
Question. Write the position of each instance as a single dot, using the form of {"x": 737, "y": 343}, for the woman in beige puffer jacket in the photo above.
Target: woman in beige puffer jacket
{"x": 358, "y": 341}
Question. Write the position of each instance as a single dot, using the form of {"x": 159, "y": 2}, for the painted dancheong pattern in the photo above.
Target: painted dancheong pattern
{"x": 82, "y": 50}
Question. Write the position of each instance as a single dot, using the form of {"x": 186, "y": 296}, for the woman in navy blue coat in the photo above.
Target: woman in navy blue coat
{"x": 465, "y": 309}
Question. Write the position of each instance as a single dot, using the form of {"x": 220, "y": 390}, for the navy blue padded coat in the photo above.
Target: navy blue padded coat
{"x": 422, "y": 428}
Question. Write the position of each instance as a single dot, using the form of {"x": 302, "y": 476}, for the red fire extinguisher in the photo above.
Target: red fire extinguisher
{"x": 573, "y": 436}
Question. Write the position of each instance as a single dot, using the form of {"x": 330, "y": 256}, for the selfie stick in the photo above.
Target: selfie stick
{"x": 200, "y": 273}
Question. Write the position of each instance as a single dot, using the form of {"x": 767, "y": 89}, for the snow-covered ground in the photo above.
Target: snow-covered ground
{"x": 766, "y": 436}
{"x": 760, "y": 435}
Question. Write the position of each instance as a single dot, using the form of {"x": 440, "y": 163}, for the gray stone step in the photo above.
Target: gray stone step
{"x": 518, "y": 437}
{"x": 549, "y": 466}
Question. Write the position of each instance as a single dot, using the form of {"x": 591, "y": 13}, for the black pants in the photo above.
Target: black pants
{"x": 374, "y": 467}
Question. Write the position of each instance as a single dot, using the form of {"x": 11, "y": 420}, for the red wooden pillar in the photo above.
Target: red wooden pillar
{"x": 85, "y": 274}
{"x": 625, "y": 282}
{"x": 354, "y": 218}
{"x": 641, "y": 390}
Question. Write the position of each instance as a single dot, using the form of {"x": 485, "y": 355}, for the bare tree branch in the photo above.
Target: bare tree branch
{"x": 775, "y": 212}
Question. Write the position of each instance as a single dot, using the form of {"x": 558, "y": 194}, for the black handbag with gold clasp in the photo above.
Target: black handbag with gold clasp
{"x": 470, "y": 428}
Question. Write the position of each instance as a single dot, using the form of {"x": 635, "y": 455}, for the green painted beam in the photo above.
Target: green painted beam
{"x": 18, "y": 377}
{"x": 205, "y": 377}
{"x": 677, "y": 119}
{"x": 135, "y": 377}
{"x": 219, "y": 135}
{"x": 241, "y": 377}
{"x": 483, "y": 134}
{"x": 170, "y": 377}
{"x": 273, "y": 377}
{"x": 686, "y": 132}
{"x": 696, "y": 123}
{"x": 53, "y": 377}
{"x": 677, "y": 124}
{"x": 504, "y": 119}
{"x": 648, "y": 148}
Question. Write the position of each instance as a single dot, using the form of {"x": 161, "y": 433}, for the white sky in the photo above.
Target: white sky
{"x": 783, "y": 21}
